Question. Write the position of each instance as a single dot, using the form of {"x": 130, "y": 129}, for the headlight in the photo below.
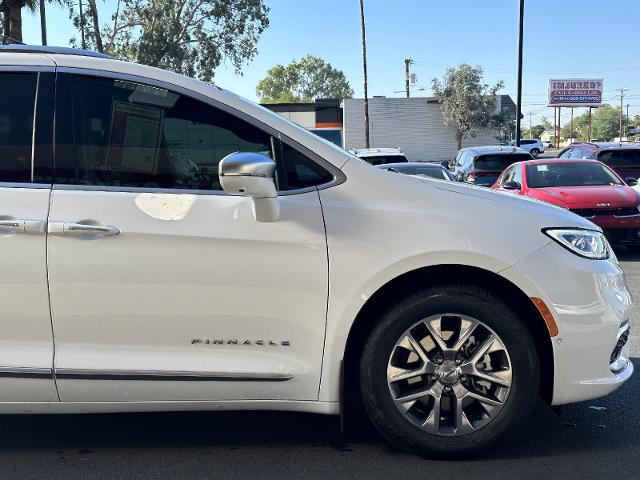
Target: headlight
{"x": 585, "y": 243}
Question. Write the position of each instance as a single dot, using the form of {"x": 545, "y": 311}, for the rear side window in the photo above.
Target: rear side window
{"x": 17, "y": 105}
{"x": 620, "y": 158}
{"x": 497, "y": 163}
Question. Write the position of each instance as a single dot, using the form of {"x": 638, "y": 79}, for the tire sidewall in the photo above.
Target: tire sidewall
{"x": 494, "y": 314}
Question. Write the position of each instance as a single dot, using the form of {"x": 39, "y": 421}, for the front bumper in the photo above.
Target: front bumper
{"x": 590, "y": 302}
{"x": 623, "y": 230}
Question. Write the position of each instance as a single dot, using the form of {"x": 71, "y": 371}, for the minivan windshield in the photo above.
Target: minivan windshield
{"x": 570, "y": 174}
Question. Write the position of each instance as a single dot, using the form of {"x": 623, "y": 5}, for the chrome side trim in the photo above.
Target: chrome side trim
{"x": 25, "y": 185}
{"x": 338, "y": 175}
{"x": 25, "y": 372}
{"x": 161, "y": 375}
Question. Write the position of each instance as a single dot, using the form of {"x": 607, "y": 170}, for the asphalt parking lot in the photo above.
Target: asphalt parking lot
{"x": 595, "y": 439}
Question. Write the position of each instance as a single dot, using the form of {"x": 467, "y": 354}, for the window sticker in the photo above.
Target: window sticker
{"x": 134, "y": 138}
{"x": 542, "y": 168}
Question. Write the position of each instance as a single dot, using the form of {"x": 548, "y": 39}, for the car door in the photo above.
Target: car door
{"x": 26, "y": 345}
{"x": 162, "y": 286}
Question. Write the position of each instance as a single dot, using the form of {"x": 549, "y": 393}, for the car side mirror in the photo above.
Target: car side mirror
{"x": 632, "y": 182}
{"x": 511, "y": 186}
{"x": 250, "y": 174}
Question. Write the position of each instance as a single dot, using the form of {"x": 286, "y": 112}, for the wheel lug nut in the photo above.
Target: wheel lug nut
{"x": 432, "y": 376}
{"x": 458, "y": 361}
{"x": 447, "y": 388}
{"x": 439, "y": 360}
{"x": 463, "y": 378}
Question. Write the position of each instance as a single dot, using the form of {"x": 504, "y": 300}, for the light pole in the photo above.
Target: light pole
{"x": 43, "y": 22}
{"x": 364, "y": 68}
{"x": 519, "y": 95}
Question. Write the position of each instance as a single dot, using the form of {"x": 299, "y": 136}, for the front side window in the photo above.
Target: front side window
{"x": 565, "y": 153}
{"x": 17, "y": 99}
{"x": 133, "y": 135}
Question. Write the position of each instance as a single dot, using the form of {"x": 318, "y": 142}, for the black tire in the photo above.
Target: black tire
{"x": 534, "y": 152}
{"x": 464, "y": 300}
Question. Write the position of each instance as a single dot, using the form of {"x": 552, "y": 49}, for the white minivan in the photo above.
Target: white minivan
{"x": 167, "y": 245}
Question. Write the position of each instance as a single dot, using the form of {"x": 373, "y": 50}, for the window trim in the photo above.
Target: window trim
{"x": 338, "y": 175}
{"x": 37, "y": 70}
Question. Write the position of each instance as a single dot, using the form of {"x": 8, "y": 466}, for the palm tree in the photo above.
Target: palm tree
{"x": 12, "y": 16}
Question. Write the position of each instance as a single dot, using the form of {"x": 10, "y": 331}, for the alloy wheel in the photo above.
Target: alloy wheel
{"x": 449, "y": 374}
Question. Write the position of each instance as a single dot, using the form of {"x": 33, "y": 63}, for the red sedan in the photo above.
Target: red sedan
{"x": 586, "y": 187}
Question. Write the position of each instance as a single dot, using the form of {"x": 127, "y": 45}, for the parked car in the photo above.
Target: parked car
{"x": 623, "y": 158}
{"x": 532, "y": 145}
{"x": 482, "y": 165}
{"x": 380, "y": 156}
{"x": 586, "y": 187}
{"x": 548, "y": 144}
{"x": 421, "y": 169}
{"x": 297, "y": 278}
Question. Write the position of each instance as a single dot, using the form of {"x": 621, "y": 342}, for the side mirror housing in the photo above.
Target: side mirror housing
{"x": 632, "y": 182}
{"x": 511, "y": 186}
{"x": 250, "y": 174}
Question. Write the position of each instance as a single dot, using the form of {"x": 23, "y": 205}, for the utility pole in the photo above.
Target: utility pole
{"x": 627, "y": 121}
{"x": 364, "y": 67}
{"x": 621, "y": 90}
{"x": 590, "y": 109}
{"x": 530, "y": 125}
{"x": 83, "y": 42}
{"x": 43, "y": 22}
{"x": 519, "y": 97}
{"x": 407, "y": 77}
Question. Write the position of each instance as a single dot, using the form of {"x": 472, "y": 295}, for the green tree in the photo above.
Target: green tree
{"x": 11, "y": 11}
{"x": 536, "y": 131}
{"x": 545, "y": 123}
{"x": 303, "y": 81}
{"x": 192, "y": 37}
{"x": 467, "y": 102}
{"x": 606, "y": 122}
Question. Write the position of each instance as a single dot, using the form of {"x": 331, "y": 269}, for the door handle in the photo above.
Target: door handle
{"x": 82, "y": 230}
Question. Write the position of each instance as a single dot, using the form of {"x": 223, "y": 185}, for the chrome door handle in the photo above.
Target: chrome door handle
{"x": 80, "y": 229}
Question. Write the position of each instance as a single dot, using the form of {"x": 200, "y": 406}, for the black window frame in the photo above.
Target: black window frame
{"x": 336, "y": 173}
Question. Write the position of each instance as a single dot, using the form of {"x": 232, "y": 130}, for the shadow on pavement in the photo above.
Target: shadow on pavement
{"x": 613, "y": 423}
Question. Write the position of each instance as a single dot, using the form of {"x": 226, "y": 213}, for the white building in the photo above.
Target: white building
{"x": 413, "y": 124}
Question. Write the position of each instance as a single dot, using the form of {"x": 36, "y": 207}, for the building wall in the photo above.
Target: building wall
{"x": 413, "y": 124}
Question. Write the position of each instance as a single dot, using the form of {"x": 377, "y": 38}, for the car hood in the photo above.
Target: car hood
{"x": 614, "y": 196}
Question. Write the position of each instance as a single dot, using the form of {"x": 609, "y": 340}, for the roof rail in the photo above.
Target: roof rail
{"x": 22, "y": 48}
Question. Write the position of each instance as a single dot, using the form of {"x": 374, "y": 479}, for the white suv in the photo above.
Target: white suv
{"x": 167, "y": 245}
{"x": 532, "y": 145}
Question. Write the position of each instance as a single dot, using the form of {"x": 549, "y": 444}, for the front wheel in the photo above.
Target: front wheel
{"x": 534, "y": 152}
{"x": 449, "y": 371}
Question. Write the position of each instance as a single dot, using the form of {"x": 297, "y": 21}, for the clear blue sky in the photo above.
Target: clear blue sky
{"x": 563, "y": 38}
